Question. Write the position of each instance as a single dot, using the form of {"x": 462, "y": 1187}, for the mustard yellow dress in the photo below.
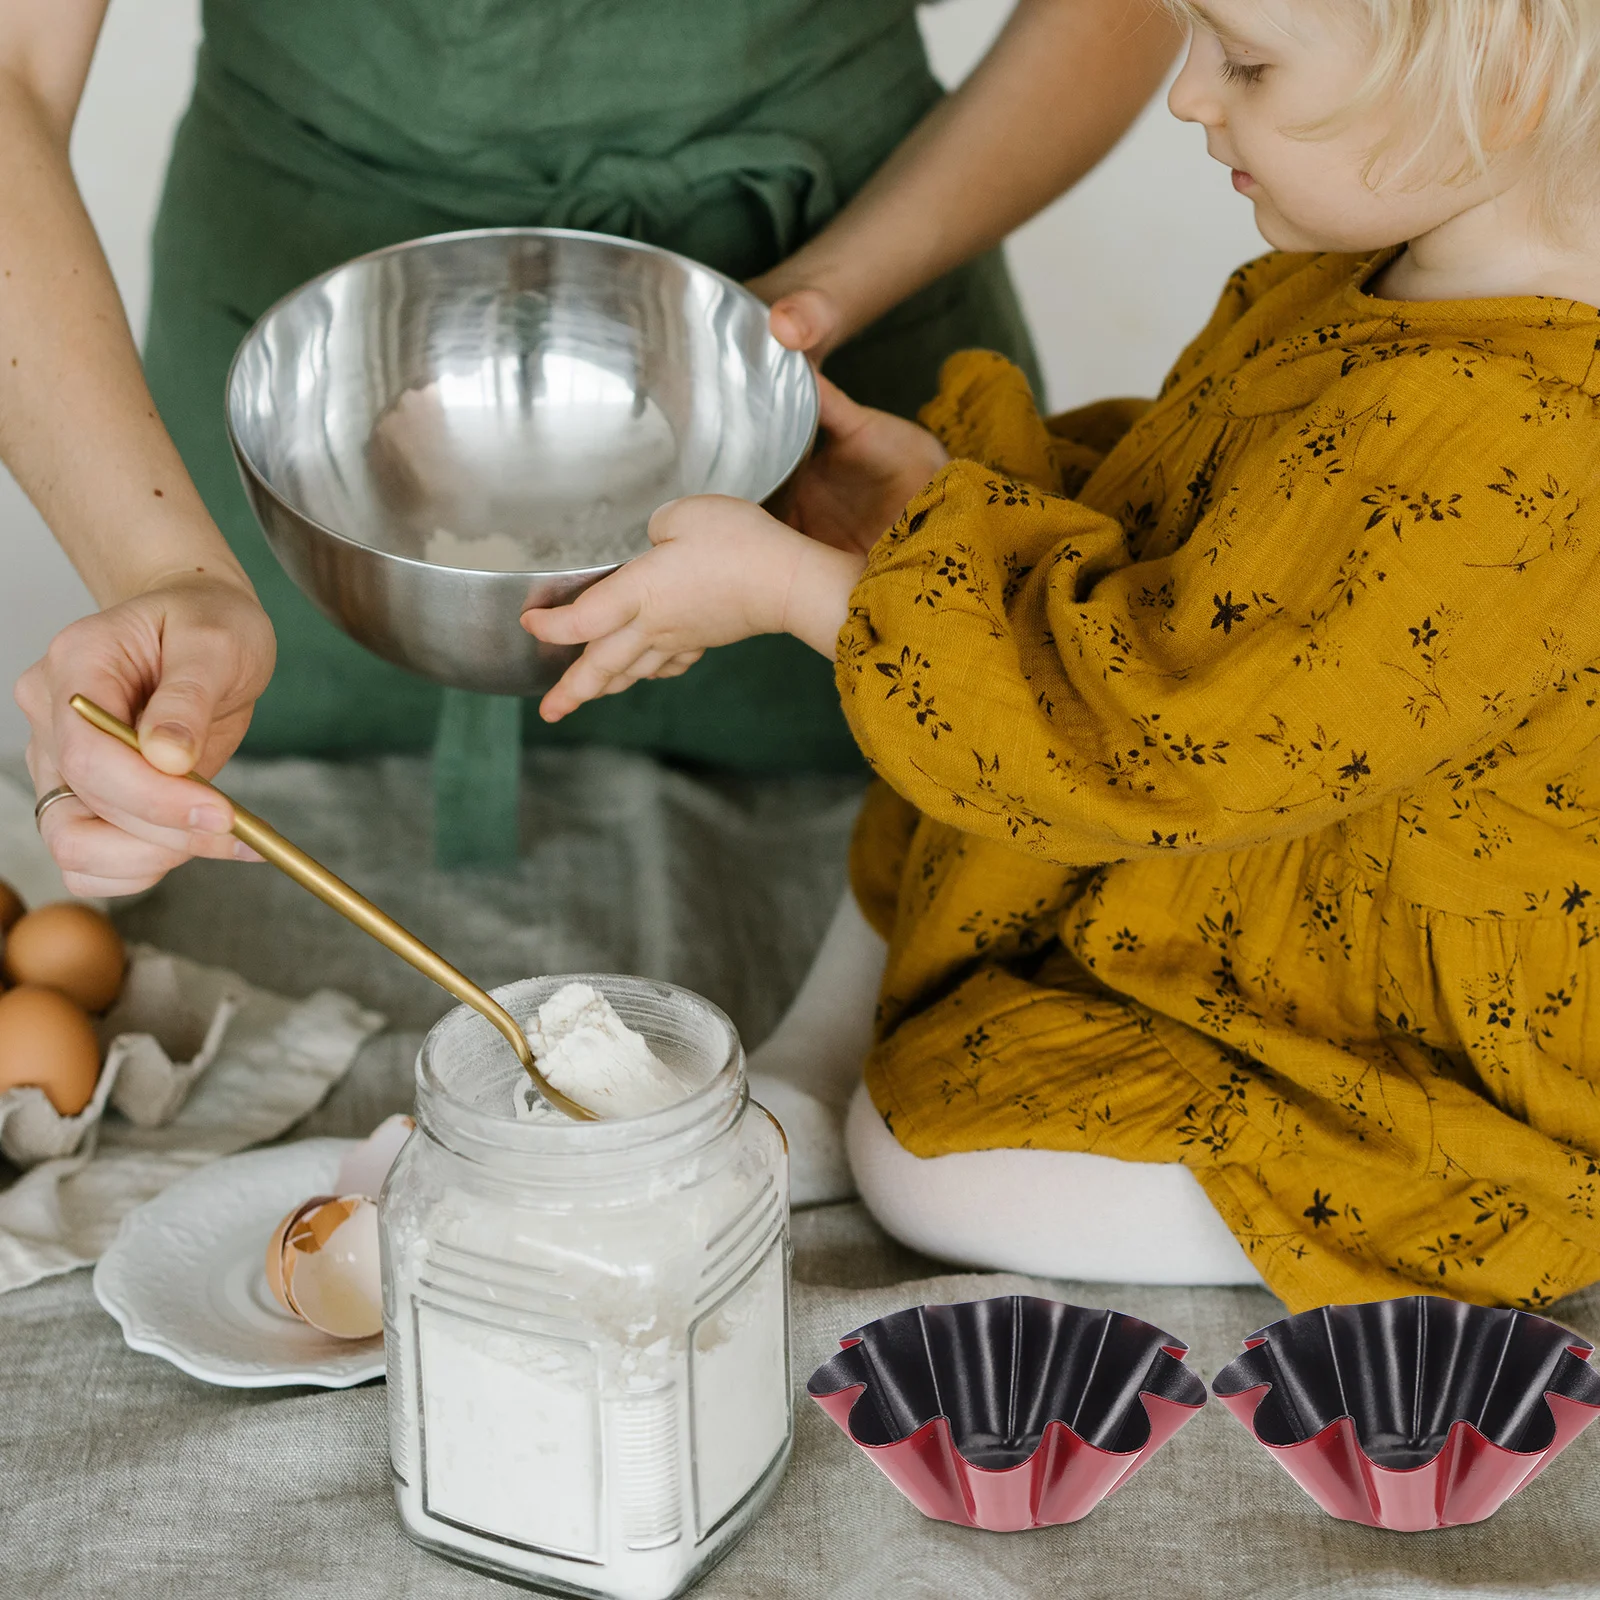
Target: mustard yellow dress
{"x": 1242, "y": 800}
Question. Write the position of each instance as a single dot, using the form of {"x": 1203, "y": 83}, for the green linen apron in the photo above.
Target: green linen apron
{"x": 728, "y": 130}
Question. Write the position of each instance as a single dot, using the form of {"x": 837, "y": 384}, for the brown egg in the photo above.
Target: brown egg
{"x": 47, "y": 1041}
{"x": 12, "y": 907}
{"x": 69, "y": 947}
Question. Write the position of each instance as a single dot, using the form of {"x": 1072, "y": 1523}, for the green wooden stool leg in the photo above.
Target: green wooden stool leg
{"x": 477, "y": 780}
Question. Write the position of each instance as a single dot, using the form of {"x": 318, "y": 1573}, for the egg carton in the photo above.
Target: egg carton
{"x": 164, "y": 1030}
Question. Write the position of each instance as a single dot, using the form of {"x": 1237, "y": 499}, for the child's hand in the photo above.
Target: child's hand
{"x": 867, "y": 465}
{"x": 721, "y": 570}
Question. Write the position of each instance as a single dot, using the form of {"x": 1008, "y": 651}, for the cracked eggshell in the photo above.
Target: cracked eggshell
{"x": 364, "y": 1167}
{"x": 276, "y": 1244}
{"x": 322, "y": 1265}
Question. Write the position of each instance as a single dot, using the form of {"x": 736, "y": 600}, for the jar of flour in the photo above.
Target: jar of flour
{"x": 587, "y": 1323}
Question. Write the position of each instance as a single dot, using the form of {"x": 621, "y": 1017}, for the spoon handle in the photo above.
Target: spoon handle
{"x": 310, "y": 874}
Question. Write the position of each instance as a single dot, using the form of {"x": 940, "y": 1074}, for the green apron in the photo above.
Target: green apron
{"x": 728, "y": 130}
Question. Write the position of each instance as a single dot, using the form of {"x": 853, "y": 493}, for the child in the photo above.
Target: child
{"x": 1241, "y": 800}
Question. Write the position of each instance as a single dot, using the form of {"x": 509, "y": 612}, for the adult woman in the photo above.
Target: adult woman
{"x": 730, "y": 131}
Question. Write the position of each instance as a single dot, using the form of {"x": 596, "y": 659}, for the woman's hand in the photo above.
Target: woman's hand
{"x": 1059, "y": 86}
{"x": 185, "y": 662}
{"x": 866, "y": 467}
{"x": 181, "y": 646}
{"x": 808, "y": 320}
{"x": 720, "y": 570}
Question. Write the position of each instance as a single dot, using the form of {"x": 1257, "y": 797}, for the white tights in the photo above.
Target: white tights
{"x": 1048, "y": 1213}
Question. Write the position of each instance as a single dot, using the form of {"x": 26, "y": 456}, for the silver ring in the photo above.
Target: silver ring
{"x": 48, "y": 799}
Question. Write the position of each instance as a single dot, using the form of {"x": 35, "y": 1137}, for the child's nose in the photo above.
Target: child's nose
{"x": 1193, "y": 96}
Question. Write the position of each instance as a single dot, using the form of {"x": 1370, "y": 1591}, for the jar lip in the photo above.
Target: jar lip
{"x": 470, "y": 1130}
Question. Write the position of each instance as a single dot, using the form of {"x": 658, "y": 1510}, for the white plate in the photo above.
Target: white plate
{"x": 186, "y": 1275}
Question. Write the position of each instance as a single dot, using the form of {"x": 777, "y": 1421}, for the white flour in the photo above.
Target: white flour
{"x": 494, "y": 552}
{"x": 592, "y": 1056}
{"x": 570, "y": 548}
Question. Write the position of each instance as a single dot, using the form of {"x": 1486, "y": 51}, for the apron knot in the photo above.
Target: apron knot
{"x": 658, "y": 199}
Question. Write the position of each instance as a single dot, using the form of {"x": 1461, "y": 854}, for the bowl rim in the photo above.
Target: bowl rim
{"x": 248, "y": 466}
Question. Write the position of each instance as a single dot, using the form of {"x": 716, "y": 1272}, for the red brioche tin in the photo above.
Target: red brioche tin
{"x": 1415, "y": 1413}
{"x": 1008, "y": 1413}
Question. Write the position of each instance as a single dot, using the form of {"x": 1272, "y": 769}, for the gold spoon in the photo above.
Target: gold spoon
{"x": 291, "y": 860}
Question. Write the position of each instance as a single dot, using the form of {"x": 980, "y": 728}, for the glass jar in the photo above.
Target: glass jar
{"x": 587, "y": 1323}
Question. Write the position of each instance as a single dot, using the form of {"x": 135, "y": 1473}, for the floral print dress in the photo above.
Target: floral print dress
{"x": 1242, "y": 787}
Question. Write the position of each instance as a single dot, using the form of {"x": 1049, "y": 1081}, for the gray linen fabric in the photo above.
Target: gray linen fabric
{"x": 121, "y": 1477}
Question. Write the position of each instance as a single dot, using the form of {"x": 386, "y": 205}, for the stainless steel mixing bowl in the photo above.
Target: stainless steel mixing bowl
{"x": 440, "y": 434}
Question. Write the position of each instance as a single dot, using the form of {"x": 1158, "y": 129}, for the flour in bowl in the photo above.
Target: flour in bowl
{"x": 494, "y": 552}
{"x": 578, "y": 541}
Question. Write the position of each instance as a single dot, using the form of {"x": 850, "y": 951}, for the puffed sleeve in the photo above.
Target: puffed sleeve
{"x": 985, "y": 412}
{"x": 1380, "y": 588}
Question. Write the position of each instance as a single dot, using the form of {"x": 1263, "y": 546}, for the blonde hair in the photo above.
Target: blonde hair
{"x": 1473, "y": 78}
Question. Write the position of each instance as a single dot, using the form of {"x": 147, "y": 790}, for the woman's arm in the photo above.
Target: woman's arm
{"x": 1058, "y": 88}
{"x": 77, "y": 425}
{"x": 181, "y": 645}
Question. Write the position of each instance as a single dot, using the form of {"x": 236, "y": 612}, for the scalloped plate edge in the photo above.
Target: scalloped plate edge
{"x": 221, "y": 1373}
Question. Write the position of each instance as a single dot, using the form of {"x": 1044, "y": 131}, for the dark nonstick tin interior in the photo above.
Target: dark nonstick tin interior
{"x": 1001, "y": 1371}
{"x": 1407, "y": 1371}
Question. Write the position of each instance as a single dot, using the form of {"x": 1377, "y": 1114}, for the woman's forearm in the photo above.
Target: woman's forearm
{"x": 78, "y": 428}
{"x": 1059, "y": 87}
